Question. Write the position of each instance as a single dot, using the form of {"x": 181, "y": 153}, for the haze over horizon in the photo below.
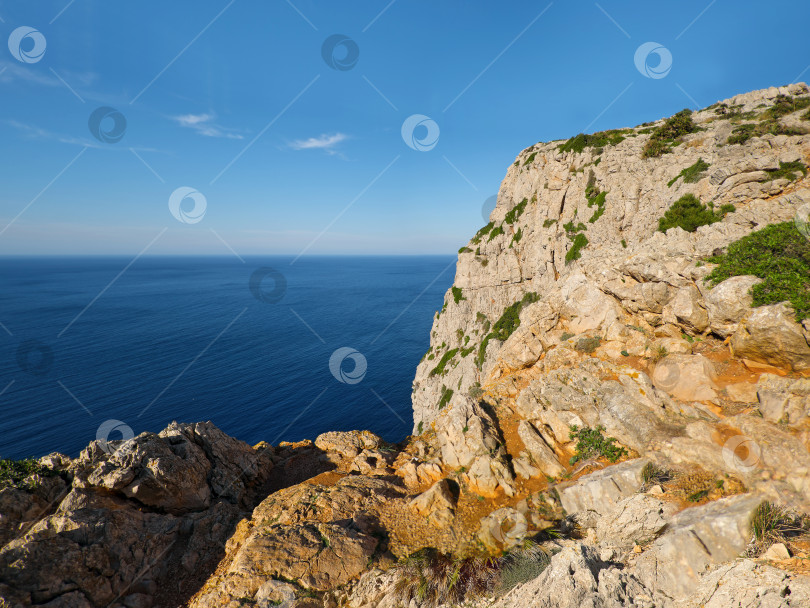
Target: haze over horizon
{"x": 293, "y": 138}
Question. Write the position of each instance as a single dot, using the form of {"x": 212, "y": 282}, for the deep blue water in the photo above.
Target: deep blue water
{"x": 253, "y": 367}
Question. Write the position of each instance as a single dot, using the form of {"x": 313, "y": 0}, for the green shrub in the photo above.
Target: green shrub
{"x": 772, "y": 126}
{"x": 13, "y": 473}
{"x": 549, "y": 223}
{"x": 447, "y": 394}
{"x": 516, "y": 237}
{"x": 785, "y": 104}
{"x": 497, "y": 231}
{"x": 482, "y": 233}
{"x": 663, "y": 136}
{"x": 465, "y": 250}
{"x": 515, "y": 212}
{"x": 566, "y": 336}
{"x": 598, "y": 199}
{"x": 580, "y": 242}
{"x": 688, "y": 213}
{"x": 578, "y": 143}
{"x": 792, "y": 171}
{"x": 440, "y": 369}
{"x": 780, "y": 255}
{"x": 692, "y": 174}
{"x": 506, "y": 325}
{"x": 530, "y": 158}
{"x": 457, "y": 294}
{"x": 591, "y": 443}
{"x": 588, "y": 345}
{"x": 624, "y": 244}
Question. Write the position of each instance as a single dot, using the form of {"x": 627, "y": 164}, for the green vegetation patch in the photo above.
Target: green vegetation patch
{"x": 578, "y": 240}
{"x": 506, "y": 325}
{"x": 447, "y": 394}
{"x": 498, "y": 230}
{"x": 578, "y": 143}
{"x": 780, "y": 255}
{"x": 465, "y": 250}
{"x": 482, "y": 233}
{"x": 771, "y": 126}
{"x": 516, "y": 237}
{"x": 441, "y": 366}
{"x": 664, "y": 137}
{"x": 529, "y": 159}
{"x": 786, "y": 104}
{"x": 692, "y": 174}
{"x": 792, "y": 171}
{"x": 457, "y": 294}
{"x": 515, "y": 212}
{"x": 689, "y": 213}
{"x": 14, "y": 472}
{"x": 592, "y": 443}
{"x": 549, "y": 223}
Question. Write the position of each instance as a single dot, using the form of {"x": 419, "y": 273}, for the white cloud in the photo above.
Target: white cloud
{"x": 324, "y": 142}
{"x": 204, "y": 125}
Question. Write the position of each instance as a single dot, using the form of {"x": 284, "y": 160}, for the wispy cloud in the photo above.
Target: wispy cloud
{"x": 34, "y": 132}
{"x": 205, "y": 124}
{"x": 16, "y": 72}
{"x": 324, "y": 142}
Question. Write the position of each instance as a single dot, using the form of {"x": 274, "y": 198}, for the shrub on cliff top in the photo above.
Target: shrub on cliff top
{"x": 598, "y": 140}
{"x": 14, "y": 472}
{"x": 780, "y": 255}
{"x": 673, "y": 128}
{"x": 689, "y": 213}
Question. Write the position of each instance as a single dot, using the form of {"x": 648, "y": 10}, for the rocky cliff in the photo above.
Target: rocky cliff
{"x": 614, "y": 411}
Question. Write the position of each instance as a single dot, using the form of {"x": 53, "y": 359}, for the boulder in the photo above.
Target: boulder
{"x": 770, "y": 334}
{"x": 542, "y": 456}
{"x": 697, "y": 538}
{"x": 602, "y": 490}
{"x": 686, "y": 377}
{"x": 729, "y": 302}
{"x": 437, "y": 504}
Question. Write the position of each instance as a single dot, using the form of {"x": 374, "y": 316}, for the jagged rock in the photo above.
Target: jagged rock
{"x": 746, "y": 584}
{"x": 503, "y": 528}
{"x": 635, "y": 520}
{"x": 697, "y": 538}
{"x": 602, "y": 490}
{"x": 467, "y": 437}
{"x": 686, "y": 377}
{"x": 687, "y": 309}
{"x": 577, "y": 578}
{"x": 541, "y": 454}
{"x": 783, "y": 399}
{"x": 347, "y": 445}
{"x": 729, "y": 302}
{"x": 770, "y": 334}
{"x": 437, "y": 503}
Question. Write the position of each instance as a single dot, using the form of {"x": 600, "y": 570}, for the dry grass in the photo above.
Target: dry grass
{"x": 696, "y": 486}
{"x": 773, "y": 524}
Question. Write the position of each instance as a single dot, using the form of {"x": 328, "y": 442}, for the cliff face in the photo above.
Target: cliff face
{"x": 586, "y": 387}
{"x": 638, "y": 270}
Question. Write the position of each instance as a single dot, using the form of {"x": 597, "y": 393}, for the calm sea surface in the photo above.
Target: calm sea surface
{"x": 245, "y": 345}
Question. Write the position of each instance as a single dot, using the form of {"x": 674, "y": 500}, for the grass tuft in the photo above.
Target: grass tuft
{"x": 591, "y": 443}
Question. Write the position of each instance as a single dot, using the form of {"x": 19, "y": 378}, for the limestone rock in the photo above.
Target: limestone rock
{"x": 697, "y": 538}
{"x": 437, "y": 503}
{"x": 686, "y": 377}
{"x": 541, "y": 454}
{"x": 602, "y": 490}
{"x": 770, "y": 334}
{"x": 729, "y": 302}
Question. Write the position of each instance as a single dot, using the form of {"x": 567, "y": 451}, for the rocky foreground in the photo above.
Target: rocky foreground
{"x": 614, "y": 412}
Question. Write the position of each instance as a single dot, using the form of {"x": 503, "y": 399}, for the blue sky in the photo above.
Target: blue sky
{"x": 235, "y": 100}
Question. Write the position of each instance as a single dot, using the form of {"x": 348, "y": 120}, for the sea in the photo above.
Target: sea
{"x": 267, "y": 348}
